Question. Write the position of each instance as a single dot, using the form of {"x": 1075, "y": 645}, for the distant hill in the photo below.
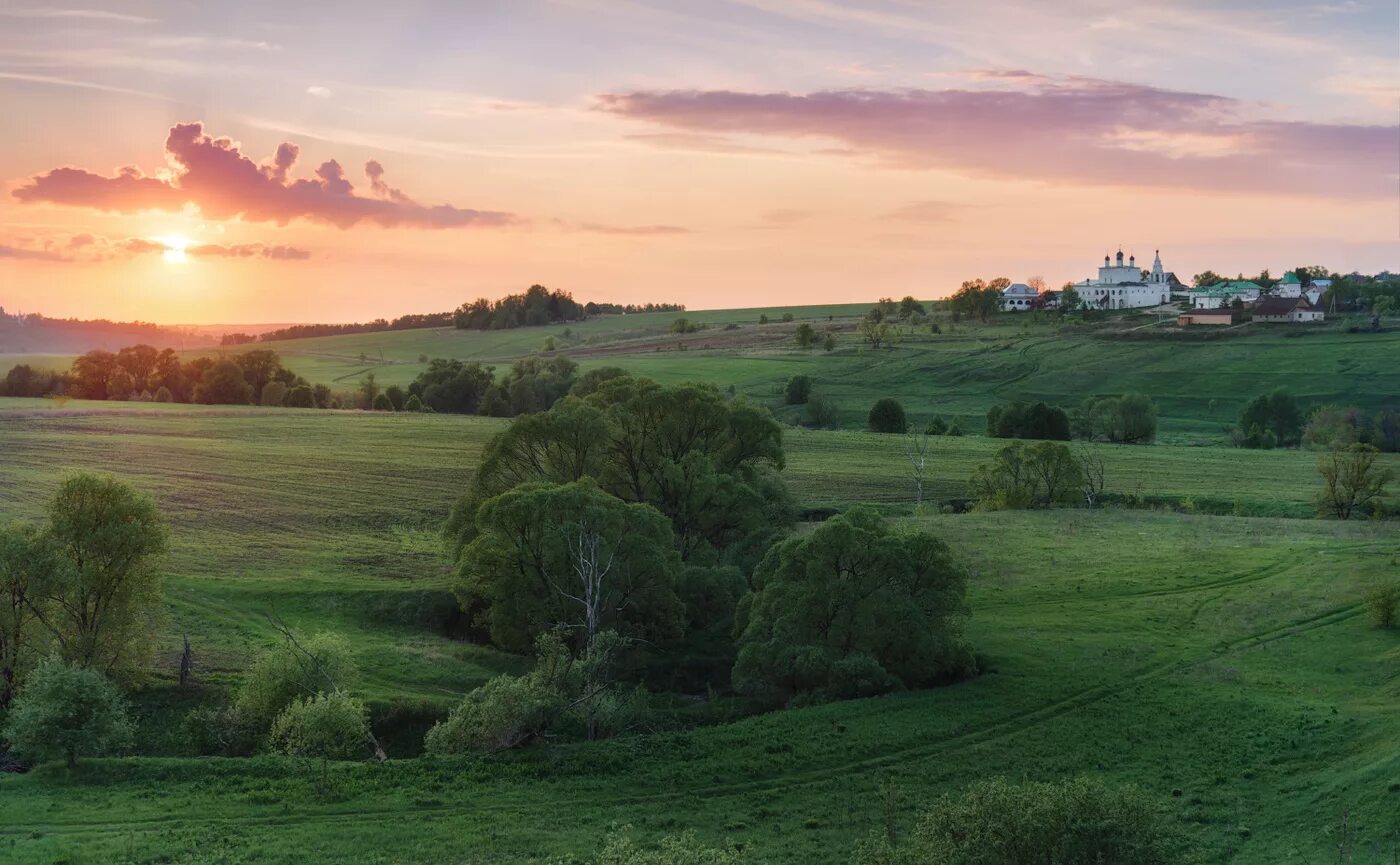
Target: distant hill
{"x": 38, "y": 334}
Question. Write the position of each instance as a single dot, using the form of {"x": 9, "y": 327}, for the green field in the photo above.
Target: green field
{"x": 1199, "y": 385}
{"x": 1221, "y": 662}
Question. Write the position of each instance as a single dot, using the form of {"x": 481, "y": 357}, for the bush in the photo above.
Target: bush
{"x": 284, "y": 673}
{"x": 331, "y": 726}
{"x": 504, "y": 713}
{"x": 821, "y": 413}
{"x": 1022, "y": 476}
{"x": 887, "y": 416}
{"x": 805, "y": 335}
{"x": 412, "y": 403}
{"x": 163, "y": 395}
{"x": 685, "y": 849}
{"x": 799, "y": 388}
{"x": 996, "y": 822}
{"x": 938, "y": 426}
{"x": 1127, "y": 419}
{"x": 1018, "y": 420}
{"x": 68, "y": 712}
{"x": 383, "y": 403}
{"x": 1275, "y": 413}
{"x": 221, "y": 731}
{"x": 274, "y": 393}
{"x": 685, "y": 325}
{"x": 1383, "y": 605}
{"x": 829, "y": 343}
{"x": 301, "y": 396}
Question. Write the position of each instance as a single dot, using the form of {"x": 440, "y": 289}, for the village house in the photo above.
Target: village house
{"x": 1225, "y": 294}
{"x": 1222, "y": 316}
{"x": 1286, "y": 309}
{"x": 1018, "y": 297}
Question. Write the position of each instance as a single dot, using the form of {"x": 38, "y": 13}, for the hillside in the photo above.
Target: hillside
{"x": 1221, "y": 662}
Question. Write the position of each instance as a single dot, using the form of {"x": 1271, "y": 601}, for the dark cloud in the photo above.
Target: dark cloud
{"x": 1077, "y": 130}
{"x": 214, "y": 175}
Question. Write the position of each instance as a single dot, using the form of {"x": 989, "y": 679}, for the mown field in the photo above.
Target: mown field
{"x": 1223, "y": 663}
{"x": 1199, "y": 385}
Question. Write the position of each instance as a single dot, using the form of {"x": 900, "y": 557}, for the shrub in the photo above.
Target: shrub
{"x": 301, "y": 396}
{"x": 1127, "y": 419}
{"x": 787, "y": 317}
{"x": 1383, "y": 605}
{"x": 330, "y": 726}
{"x": 620, "y": 848}
{"x": 68, "y": 712}
{"x": 284, "y": 673}
{"x": 887, "y": 416}
{"x": 274, "y": 393}
{"x": 763, "y": 319}
{"x": 163, "y": 395}
{"x": 938, "y": 426}
{"x": 504, "y": 713}
{"x": 821, "y": 413}
{"x": 221, "y": 731}
{"x": 1275, "y": 412}
{"x": 383, "y": 403}
{"x": 685, "y": 325}
{"x": 799, "y": 389}
{"x": 996, "y": 822}
{"x": 1019, "y": 420}
{"x": 412, "y": 403}
{"x": 396, "y": 395}
{"x": 829, "y": 344}
{"x": 805, "y": 335}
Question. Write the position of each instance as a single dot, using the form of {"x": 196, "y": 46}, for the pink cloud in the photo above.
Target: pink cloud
{"x": 1072, "y": 130}
{"x": 214, "y": 175}
{"x": 95, "y": 248}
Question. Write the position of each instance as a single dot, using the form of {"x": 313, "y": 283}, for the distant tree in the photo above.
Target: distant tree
{"x": 1127, "y": 419}
{"x": 938, "y": 426}
{"x": 1383, "y": 605}
{"x": 274, "y": 393}
{"x": 685, "y": 325}
{"x": 1069, "y": 300}
{"x": 799, "y": 388}
{"x": 261, "y": 366}
{"x": 68, "y": 711}
{"x": 396, "y": 396}
{"x": 1021, "y": 476}
{"x": 909, "y": 307}
{"x": 412, "y": 403}
{"x": 1277, "y": 413}
{"x": 453, "y": 386}
{"x": 876, "y": 332}
{"x": 223, "y": 384}
{"x": 978, "y": 299}
{"x": 369, "y": 391}
{"x": 383, "y": 403}
{"x": 1091, "y": 476}
{"x": 301, "y": 396}
{"x": 1021, "y": 420}
{"x": 821, "y": 413}
{"x": 763, "y": 319}
{"x": 916, "y": 445}
{"x": 1207, "y": 278}
{"x": 996, "y": 822}
{"x": 887, "y": 416}
{"x": 851, "y": 609}
{"x": 532, "y": 384}
{"x": 829, "y": 342}
{"x": 163, "y": 395}
{"x": 569, "y": 556}
{"x": 102, "y": 600}
{"x": 805, "y": 335}
{"x": 120, "y": 385}
{"x": 322, "y": 394}
{"x": 1352, "y": 482}
{"x": 787, "y": 318}
{"x": 89, "y": 374}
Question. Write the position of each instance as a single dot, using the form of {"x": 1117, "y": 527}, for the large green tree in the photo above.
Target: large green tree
{"x": 68, "y": 711}
{"x": 101, "y": 598}
{"x": 569, "y": 556}
{"x": 851, "y": 609}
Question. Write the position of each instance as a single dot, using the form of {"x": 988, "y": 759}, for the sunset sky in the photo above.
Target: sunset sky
{"x": 275, "y": 162}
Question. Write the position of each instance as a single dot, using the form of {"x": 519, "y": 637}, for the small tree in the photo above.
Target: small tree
{"x": 301, "y": 396}
{"x": 805, "y": 335}
{"x": 822, "y": 412}
{"x": 332, "y": 726}
{"x": 1352, "y": 482}
{"x": 1091, "y": 476}
{"x": 383, "y": 403}
{"x": 163, "y": 394}
{"x": 274, "y": 393}
{"x": 1383, "y": 605}
{"x": 412, "y": 403}
{"x": 799, "y": 389}
{"x": 916, "y": 451}
{"x": 829, "y": 343}
{"x": 69, "y": 712}
{"x": 938, "y": 426}
{"x": 295, "y": 670}
{"x": 887, "y": 416}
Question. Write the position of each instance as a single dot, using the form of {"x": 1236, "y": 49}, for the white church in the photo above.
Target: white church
{"x": 1124, "y": 286}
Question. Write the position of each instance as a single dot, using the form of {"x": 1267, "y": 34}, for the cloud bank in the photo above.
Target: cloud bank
{"x": 215, "y": 176}
{"x": 1073, "y": 130}
{"x": 94, "y": 248}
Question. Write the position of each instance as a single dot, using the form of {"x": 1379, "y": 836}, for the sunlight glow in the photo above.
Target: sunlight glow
{"x": 174, "y": 247}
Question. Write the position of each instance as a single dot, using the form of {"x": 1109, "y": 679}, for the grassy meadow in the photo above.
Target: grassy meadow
{"x": 1221, "y": 662}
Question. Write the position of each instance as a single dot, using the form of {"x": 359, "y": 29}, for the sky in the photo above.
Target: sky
{"x": 189, "y": 162}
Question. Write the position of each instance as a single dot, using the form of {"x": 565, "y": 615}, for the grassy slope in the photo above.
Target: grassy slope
{"x": 1222, "y": 657}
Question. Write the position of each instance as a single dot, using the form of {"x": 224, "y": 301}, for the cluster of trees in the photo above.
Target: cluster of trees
{"x": 412, "y": 321}
{"x": 532, "y": 384}
{"x": 637, "y": 528}
{"x": 978, "y": 299}
{"x": 1019, "y": 420}
{"x": 538, "y": 305}
{"x": 141, "y": 372}
{"x": 1130, "y": 418}
{"x": 80, "y": 601}
{"x": 1268, "y": 421}
{"x": 1043, "y": 474}
{"x": 1337, "y": 426}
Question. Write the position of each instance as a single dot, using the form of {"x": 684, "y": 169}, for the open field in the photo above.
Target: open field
{"x": 1221, "y": 662}
{"x": 1199, "y": 385}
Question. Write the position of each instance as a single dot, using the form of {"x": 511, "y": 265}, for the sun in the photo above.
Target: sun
{"x": 174, "y": 247}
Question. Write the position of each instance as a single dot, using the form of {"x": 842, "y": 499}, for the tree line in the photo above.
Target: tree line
{"x": 538, "y": 305}
{"x": 144, "y": 373}
{"x": 412, "y": 321}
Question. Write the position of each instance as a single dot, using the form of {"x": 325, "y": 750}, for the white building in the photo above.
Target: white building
{"x": 1017, "y": 297}
{"x": 1124, "y": 286}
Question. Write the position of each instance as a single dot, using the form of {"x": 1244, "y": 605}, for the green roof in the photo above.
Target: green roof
{"x": 1290, "y": 278}
{"x": 1224, "y": 288}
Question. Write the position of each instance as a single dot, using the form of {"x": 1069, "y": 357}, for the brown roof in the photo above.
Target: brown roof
{"x": 1225, "y": 311}
{"x": 1274, "y": 306}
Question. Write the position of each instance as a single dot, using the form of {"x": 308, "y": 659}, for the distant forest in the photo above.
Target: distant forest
{"x": 536, "y": 306}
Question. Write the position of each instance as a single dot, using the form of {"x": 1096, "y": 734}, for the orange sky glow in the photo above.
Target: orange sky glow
{"x": 190, "y": 163}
